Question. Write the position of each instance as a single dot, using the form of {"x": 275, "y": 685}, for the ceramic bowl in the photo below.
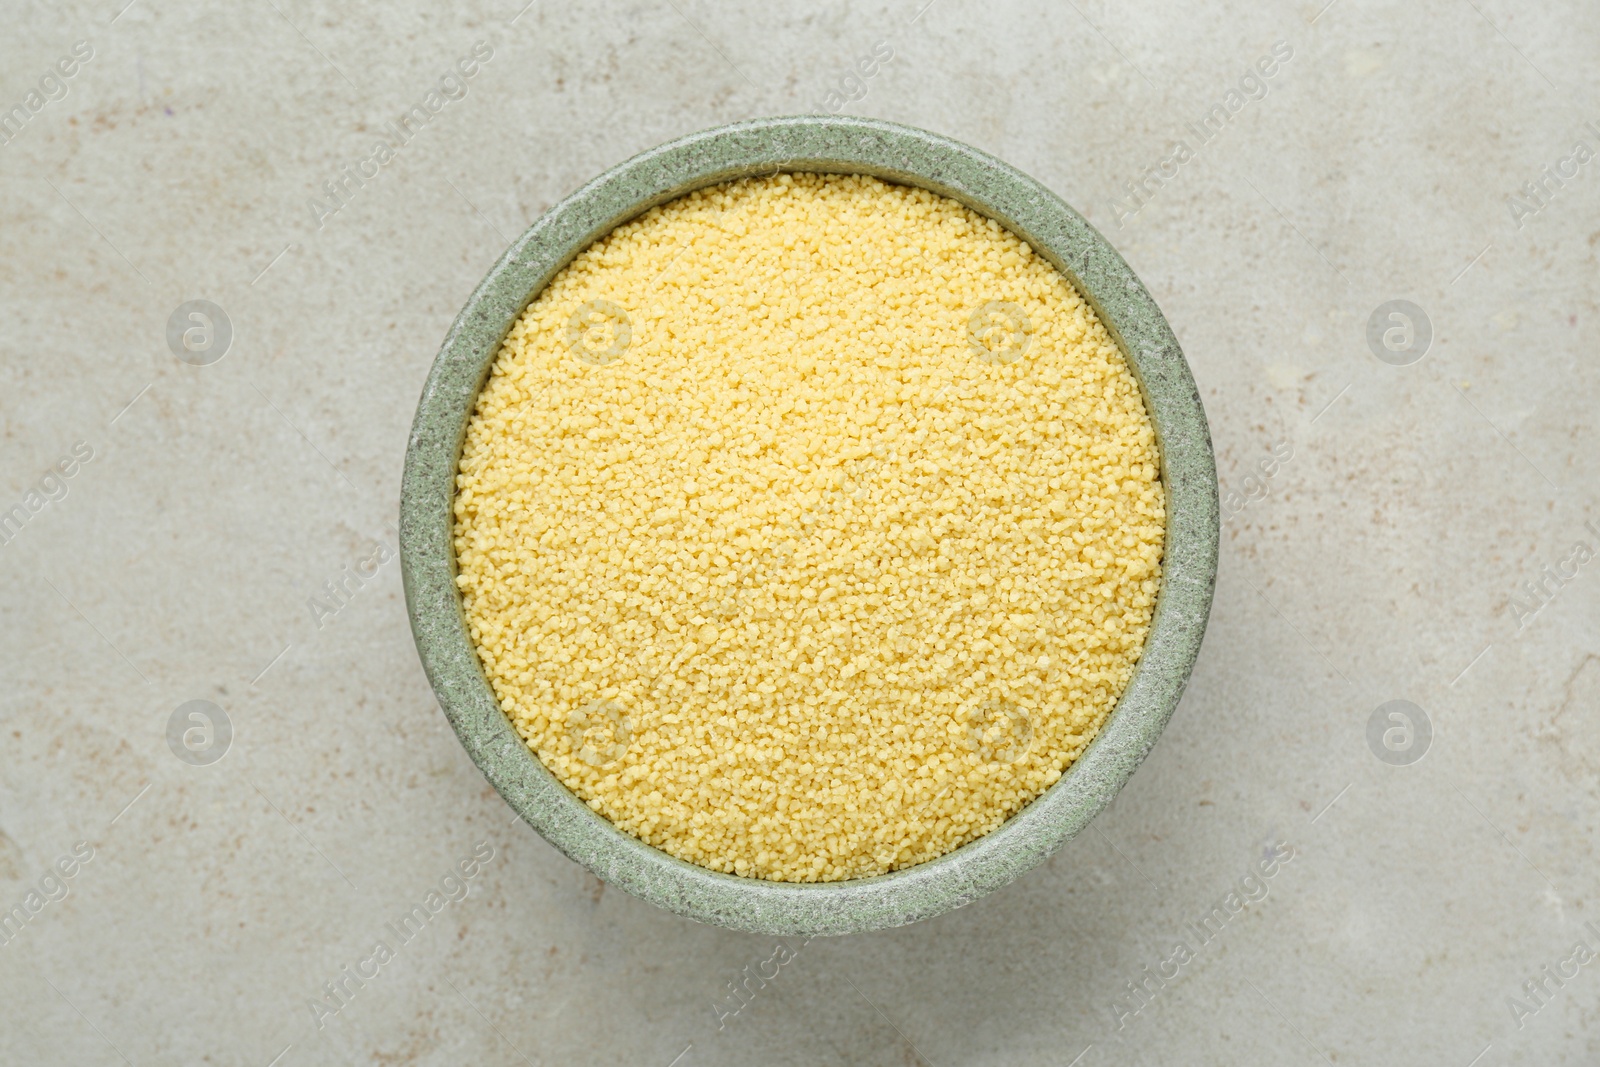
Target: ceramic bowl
{"x": 839, "y": 145}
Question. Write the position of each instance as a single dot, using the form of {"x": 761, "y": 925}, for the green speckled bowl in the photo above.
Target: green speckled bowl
{"x": 841, "y": 145}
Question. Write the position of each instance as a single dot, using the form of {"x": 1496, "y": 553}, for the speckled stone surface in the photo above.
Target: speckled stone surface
{"x": 1381, "y": 523}
{"x": 811, "y": 143}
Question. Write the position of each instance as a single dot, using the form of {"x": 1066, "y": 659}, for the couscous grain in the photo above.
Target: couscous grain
{"x": 809, "y": 526}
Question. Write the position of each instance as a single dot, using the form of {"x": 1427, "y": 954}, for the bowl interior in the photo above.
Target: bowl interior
{"x": 836, "y": 145}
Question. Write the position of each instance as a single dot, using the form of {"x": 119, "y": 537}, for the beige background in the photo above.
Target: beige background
{"x": 1381, "y": 563}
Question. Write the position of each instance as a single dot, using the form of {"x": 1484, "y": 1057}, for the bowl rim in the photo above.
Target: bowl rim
{"x": 901, "y": 154}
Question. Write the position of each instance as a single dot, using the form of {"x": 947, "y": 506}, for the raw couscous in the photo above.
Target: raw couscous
{"x": 809, "y": 526}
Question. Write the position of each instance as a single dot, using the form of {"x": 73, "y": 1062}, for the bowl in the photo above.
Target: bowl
{"x": 893, "y": 153}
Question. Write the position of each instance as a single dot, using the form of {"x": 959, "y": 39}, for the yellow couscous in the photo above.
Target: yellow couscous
{"x": 809, "y": 526}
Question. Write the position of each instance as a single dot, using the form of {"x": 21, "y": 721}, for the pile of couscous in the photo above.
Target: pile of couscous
{"x": 809, "y": 526}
